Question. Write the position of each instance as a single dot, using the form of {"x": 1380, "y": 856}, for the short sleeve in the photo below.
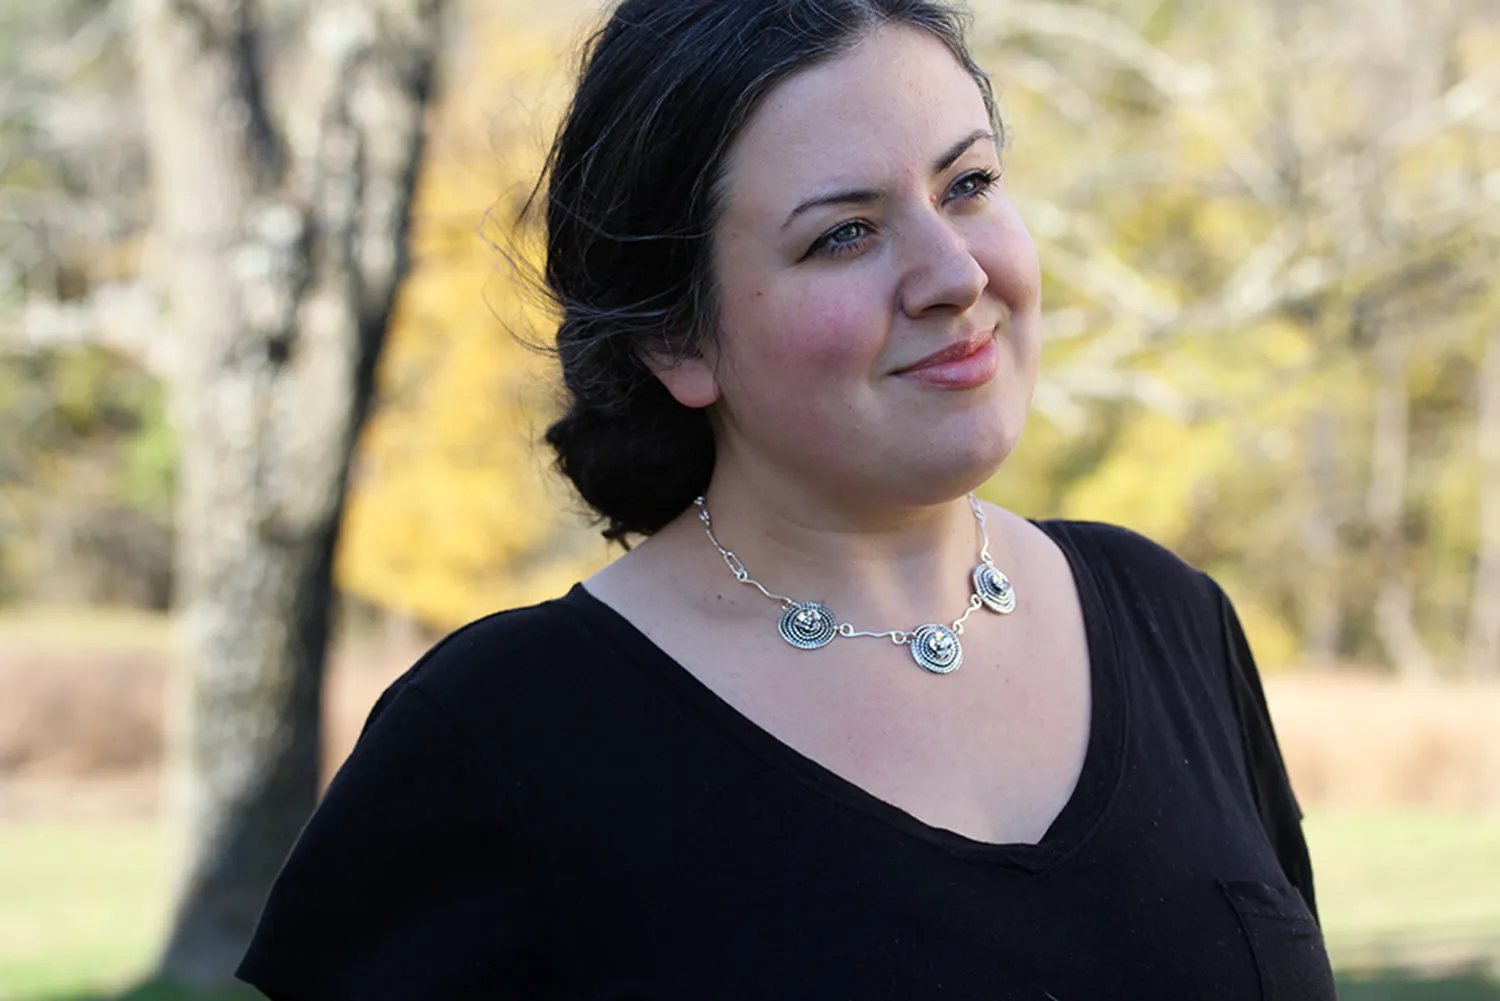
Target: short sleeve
{"x": 408, "y": 882}
{"x": 1279, "y": 812}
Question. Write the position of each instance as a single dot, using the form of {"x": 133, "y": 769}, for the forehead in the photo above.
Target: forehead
{"x": 883, "y": 109}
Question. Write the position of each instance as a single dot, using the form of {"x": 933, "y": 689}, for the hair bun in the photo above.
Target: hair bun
{"x": 635, "y": 467}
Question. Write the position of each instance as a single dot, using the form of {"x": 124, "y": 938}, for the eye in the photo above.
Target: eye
{"x": 845, "y": 238}
{"x": 974, "y": 184}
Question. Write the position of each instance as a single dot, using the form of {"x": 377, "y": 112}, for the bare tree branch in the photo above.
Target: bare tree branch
{"x": 1108, "y": 34}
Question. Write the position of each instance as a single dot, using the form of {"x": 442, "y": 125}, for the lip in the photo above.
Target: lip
{"x": 964, "y": 365}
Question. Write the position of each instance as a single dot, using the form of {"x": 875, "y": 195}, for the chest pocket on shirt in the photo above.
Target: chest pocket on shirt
{"x": 1285, "y": 940}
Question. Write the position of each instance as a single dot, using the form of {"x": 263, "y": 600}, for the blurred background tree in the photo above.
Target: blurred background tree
{"x": 283, "y": 145}
{"x": 1272, "y": 307}
{"x": 86, "y": 458}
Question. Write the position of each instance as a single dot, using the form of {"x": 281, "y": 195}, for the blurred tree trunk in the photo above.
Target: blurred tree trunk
{"x": 1395, "y": 619}
{"x": 1322, "y": 594}
{"x": 1483, "y": 652}
{"x": 282, "y": 235}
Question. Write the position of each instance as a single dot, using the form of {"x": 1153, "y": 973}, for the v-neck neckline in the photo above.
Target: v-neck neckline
{"x": 1074, "y": 824}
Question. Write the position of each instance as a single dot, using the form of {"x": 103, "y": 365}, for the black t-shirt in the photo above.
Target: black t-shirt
{"x": 548, "y": 806}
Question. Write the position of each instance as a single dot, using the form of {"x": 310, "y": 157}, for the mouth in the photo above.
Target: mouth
{"x": 965, "y": 364}
{"x": 959, "y": 351}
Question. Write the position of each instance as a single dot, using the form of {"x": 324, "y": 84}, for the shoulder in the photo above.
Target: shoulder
{"x": 499, "y": 646}
{"x": 1122, "y": 557}
{"x": 418, "y": 833}
{"x": 1116, "y": 543}
{"x": 507, "y": 664}
{"x": 1144, "y": 588}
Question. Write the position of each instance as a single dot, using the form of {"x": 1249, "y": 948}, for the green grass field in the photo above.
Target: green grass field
{"x": 1410, "y": 903}
{"x": 1410, "y": 880}
{"x": 82, "y": 904}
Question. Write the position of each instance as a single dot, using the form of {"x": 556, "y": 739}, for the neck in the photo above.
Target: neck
{"x": 877, "y": 566}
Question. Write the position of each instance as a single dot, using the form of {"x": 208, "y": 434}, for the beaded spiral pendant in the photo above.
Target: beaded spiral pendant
{"x": 994, "y": 589}
{"x": 808, "y": 625}
{"x": 936, "y": 648}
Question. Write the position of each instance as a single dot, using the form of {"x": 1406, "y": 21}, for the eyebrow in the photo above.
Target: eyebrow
{"x": 865, "y": 196}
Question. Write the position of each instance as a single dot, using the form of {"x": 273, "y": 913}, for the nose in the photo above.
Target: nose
{"x": 940, "y": 271}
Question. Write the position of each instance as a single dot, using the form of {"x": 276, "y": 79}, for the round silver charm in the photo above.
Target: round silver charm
{"x": 994, "y": 589}
{"x": 808, "y": 625}
{"x": 936, "y": 648}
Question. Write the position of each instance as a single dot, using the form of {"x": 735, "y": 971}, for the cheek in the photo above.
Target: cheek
{"x": 1010, "y": 260}
{"x": 812, "y": 329}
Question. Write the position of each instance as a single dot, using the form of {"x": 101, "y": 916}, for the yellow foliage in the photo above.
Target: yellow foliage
{"x": 452, "y": 511}
{"x": 1149, "y": 479}
{"x": 1233, "y": 227}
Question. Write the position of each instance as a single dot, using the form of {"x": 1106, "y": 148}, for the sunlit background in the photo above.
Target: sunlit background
{"x": 1270, "y": 230}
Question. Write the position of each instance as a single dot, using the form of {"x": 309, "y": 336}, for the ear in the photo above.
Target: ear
{"x": 690, "y": 380}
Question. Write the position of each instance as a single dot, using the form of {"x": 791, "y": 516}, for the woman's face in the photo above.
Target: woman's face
{"x": 879, "y": 296}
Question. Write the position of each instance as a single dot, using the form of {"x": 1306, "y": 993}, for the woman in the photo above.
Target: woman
{"x": 807, "y": 739}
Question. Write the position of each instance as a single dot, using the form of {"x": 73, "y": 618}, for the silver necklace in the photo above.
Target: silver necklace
{"x": 808, "y": 625}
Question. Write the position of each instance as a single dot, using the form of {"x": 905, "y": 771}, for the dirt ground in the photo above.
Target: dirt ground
{"x": 81, "y": 725}
{"x": 81, "y": 728}
{"x": 1362, "y": 741}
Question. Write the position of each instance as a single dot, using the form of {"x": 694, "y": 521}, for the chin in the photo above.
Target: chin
{"x": 979, "y": 444}
{"x": 952, "y": 465}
